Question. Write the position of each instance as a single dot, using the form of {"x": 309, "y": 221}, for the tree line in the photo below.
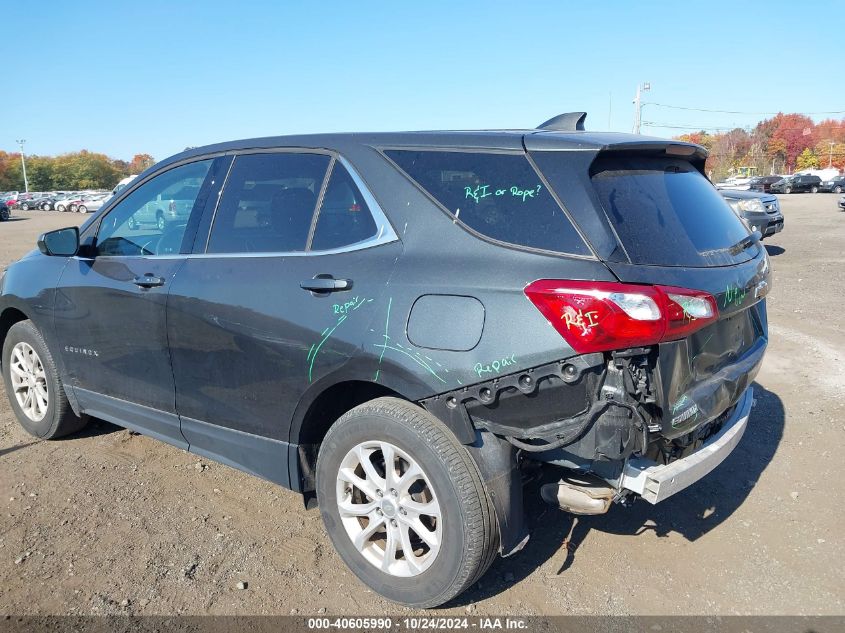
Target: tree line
{"x": 68, "y": 172}
{"x": 782, "y": 144}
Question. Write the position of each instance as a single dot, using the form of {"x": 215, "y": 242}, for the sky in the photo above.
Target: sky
{"x": 156, "y": 76}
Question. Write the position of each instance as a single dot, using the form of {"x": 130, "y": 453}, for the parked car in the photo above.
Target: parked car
{"x": 73, "y": 202}
{"x": 834, "y": 185}
{"x": 31, "y": 202}
{"x": 48, "y": 203}
{"x": 735, "y": 183}
{"x": 5, "y": 213}
{"x": 763, "y": 183}
{"x": 397, "y": 325}
{"x": 842, "y": 202}
{"x": 61, "y": 203}
{"x": 797, "y": 184}
{"x": 173, "y": 205}
{"x": 123, "y": 182}
{"x": 89, "y": 205}
{"x": 760, "y": 211}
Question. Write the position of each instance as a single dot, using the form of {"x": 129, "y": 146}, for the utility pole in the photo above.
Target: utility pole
{"x": 638, "y": 105}
{"x": 23, "y": 163}
{"x": 830, "y": 156}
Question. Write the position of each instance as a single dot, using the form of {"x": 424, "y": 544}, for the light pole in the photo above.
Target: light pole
{"x": 23, "y": 164}
{"x": 638, "y": 105}
{"x": 830, "y": 156}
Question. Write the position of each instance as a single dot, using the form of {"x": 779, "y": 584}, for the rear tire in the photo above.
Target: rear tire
{"x": 814, "y": 189}
{"x": 25, "y": 207}
{"x": 4, "y": 214}
{"x": 82, "y": 209}
{"x": 60, "y": 208}
{"x": 444, "y": 531}
{"x": 33, "y": 386}
{"x": 161, "y": 223}
{"x": 837, "y": 189}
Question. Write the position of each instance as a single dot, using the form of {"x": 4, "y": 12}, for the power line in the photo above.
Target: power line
{"x": 663, "y": 105}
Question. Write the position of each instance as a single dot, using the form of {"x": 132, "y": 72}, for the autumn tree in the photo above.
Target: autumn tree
{"x": 807, "y": 160}
{"x": 140, "y": 162}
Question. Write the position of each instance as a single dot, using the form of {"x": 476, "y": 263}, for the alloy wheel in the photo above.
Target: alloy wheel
{"x": 389, "y": 509}
{"x": 29, "y": 381}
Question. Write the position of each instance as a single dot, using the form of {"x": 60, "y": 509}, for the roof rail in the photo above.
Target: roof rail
{"x": 566, "y": 122}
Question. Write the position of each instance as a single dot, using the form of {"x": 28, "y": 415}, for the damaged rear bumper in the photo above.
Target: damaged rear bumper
{"x": 655, "y": 482}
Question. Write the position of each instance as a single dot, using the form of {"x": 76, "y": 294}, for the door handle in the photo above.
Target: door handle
{"x": 148, "y": 281}
{"x": 325, "y": 283}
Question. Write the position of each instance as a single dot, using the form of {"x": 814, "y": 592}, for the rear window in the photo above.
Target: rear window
{"x": 666, "y": 213}
{"x": 344, "y": 217}
{"x": 499, "y": 196}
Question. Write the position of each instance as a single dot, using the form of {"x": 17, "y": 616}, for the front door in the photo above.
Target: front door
{"x": 110, "y": 314}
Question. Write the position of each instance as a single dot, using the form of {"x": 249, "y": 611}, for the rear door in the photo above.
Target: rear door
{"x": 274, "y": 301}
{"x": 673, "y": 228}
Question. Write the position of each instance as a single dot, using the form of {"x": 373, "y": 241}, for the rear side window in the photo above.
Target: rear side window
{"x": 344, "y": 218}
{"x": 268, "y": 203}
{"x": 499, "y": 196}
{"x": 666, "y": 212}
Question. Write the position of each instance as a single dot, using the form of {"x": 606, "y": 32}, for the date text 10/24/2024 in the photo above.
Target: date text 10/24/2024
{"x": 417, "y": 623}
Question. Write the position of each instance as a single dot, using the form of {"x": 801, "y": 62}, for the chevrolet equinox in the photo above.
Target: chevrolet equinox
{"x": 402, "y": 326}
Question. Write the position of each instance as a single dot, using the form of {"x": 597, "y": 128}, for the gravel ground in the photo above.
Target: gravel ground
{"x": 111, "y": 522}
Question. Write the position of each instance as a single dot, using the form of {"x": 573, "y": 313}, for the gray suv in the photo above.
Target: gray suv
{"x": 405, "y": 326}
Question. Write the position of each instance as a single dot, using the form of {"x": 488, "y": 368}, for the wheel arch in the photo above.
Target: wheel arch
{"x": 15, "y": 313}
{"x": 8, "y": 318}
{"x": 312, "y": 420}
{"x": 362, "y": 379}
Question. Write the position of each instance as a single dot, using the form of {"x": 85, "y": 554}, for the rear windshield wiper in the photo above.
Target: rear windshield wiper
{"x": 745, "y": 242}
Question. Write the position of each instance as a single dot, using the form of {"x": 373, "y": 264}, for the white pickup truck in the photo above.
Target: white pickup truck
{"x": 170, "y": 206}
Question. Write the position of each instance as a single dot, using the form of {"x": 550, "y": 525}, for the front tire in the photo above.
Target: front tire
{"x": 404, "y": 503}
{"x": 33, "y": 386}
{"x": 82, "y": 209}
{"x": 788, "y": 190}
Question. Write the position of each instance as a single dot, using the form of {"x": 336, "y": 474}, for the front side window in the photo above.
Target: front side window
{"x": 499, "y": 196}
{"x": 268, "y": 203}
{"x": 152, "y": 219}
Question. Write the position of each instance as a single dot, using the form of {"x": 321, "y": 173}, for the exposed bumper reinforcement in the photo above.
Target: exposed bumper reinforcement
{"x": 655, "y": 482}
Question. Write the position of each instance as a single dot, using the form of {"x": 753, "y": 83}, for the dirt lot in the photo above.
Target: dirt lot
{"x": 109, "y": 522}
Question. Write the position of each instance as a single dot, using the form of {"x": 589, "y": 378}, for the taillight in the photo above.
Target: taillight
{"x": 595, "y": 316}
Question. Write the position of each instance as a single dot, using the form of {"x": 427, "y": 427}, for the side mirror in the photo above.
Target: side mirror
{"x": 60, "y": 243}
